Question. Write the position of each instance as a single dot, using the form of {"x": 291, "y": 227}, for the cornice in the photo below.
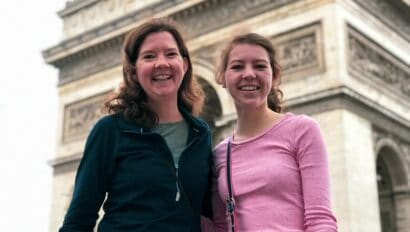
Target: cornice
{"x": 346, "y": 98}
{"x": 73, "y": 6}
{"x": 393, "y": 13}
{"x": 197, "y": 18}
{"x": 116, "y": 28}
{"x": 65, "y": 160}
{"x": 331, "y": 99}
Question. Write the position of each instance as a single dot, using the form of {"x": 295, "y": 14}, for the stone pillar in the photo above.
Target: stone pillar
{"x": 348, "y": 138}
{"x": 402, "y": 203}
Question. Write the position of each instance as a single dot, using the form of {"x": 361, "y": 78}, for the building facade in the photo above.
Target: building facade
{"x": 345, "y": 63}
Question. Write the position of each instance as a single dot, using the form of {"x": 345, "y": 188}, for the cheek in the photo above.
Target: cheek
{"x": 142, "y": 71}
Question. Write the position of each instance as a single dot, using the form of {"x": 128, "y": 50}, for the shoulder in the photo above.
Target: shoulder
{"x": 307, "y": 132}
{"x": 222, "y": 144}
{"x": 302, "y": 122}
{"x": 201, "y": 123}
{"x": 219, "y": 150}
{"x": 105, "y": 124}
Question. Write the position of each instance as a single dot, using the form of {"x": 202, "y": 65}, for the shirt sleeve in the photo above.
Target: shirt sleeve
{"x": 90, "y": 183}
{"x": 312, "y": 157}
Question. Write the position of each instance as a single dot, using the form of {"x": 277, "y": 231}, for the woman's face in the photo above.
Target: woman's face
{"x": 160, "y": 67}
{"x": 248, "y": 75}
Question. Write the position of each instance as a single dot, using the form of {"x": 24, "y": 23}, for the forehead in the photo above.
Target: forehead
{"x": 159, "y": 40}
{"x": 245, "y": 51}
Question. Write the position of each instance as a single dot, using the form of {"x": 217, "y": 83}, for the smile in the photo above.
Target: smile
{"x": 248, "y": 88}
{"x": 161, "y": 77}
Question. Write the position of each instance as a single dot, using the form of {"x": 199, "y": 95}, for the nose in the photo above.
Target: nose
{"x": 161, "y": 62}
{"x": 248, "y": 72}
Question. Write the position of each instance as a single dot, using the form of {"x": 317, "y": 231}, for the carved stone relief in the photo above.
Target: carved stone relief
{"x": 370, "y": 62}
{"x": 220, "y": 13}
{"x": 196, "y": 20}
{"x": 79, "y": 117}
{"x": 300, "y": 52}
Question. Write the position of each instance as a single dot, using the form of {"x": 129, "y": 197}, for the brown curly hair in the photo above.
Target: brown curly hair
{"x": 131, "y": 101}
{"x": 275, "y": 97}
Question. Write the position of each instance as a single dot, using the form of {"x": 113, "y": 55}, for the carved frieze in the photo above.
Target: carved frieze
{"x": 198, "y": 19}
{"x": 79, "y": 117}
{"x": 300, "y": 51}
{"x": 211, "y": 15}
{"x": 369, "y": 61}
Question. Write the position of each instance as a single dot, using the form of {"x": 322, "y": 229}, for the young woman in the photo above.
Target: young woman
{"x": 274, "y": 164}
{"x": 150, "y": 159}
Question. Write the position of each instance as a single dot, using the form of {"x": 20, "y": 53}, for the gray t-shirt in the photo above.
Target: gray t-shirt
{"x": 175, "y": 135}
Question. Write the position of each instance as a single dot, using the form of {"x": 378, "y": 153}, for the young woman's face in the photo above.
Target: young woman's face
{"x": 248, "y": 75}
{"x": 160, "y": 67}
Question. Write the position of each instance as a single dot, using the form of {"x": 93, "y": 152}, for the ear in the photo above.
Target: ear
{"x": 221, "y": 80}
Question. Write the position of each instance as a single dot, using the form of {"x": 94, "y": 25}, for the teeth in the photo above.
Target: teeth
{"x": 249, "y": 87}
{"x": 162, "y": 77}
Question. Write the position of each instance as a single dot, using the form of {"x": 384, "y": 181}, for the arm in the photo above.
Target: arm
{"x": 313, "y": 165}
{"x": 218, "y": 207}
{"x": 90, "y": 184}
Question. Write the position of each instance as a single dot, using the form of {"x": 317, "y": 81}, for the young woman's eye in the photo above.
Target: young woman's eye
{"x": 236, "y": 67}
{"x": 261, "y": 66}
{"x": 172, "y": 54}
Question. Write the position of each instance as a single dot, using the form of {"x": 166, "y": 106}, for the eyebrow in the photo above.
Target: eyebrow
{"x": 253, "y": 61}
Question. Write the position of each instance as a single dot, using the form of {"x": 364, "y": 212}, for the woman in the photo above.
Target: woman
{"x": 273, "y": 164}
{"x": 150, "y": 159}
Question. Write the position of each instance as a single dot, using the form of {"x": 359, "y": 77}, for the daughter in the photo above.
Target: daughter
{"x": 274, "y": 164}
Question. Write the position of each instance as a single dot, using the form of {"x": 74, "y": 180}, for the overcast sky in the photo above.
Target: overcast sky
{"x": 28, "y": 112}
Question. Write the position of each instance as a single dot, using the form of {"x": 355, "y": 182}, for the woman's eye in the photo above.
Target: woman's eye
{"x": 148, "y": 56}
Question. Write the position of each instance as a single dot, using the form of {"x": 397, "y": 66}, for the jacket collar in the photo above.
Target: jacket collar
{"x": 129, "y": 126}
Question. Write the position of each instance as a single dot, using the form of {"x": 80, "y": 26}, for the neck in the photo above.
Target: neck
{"x": 252, "y": 122}
{"x": 166, "y": 111}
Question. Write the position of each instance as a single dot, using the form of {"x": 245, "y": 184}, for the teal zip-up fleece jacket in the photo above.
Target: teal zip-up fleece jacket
{"x": 134, "y": 171}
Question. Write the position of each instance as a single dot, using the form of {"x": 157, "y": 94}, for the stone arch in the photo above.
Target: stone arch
{"x": 388, "y": 150}
{"x": 205, "y": 70}
{"x": 392, "y": 183}
{"x": 219, "y": 111}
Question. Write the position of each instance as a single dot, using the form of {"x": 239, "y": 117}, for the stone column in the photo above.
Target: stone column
{"x": 402, "y": 203}
{"x": 348, "y": 138}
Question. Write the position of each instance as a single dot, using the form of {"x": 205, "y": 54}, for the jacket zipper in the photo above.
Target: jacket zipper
{"x": 177, "y": 181}
{"x": 178, "y": 193}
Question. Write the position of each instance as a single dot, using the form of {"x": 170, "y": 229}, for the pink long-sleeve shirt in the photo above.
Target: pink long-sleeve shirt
{"x": 280, "y": 180}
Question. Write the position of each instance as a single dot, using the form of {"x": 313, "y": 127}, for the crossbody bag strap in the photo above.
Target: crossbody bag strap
{"x": 230, "y": 202}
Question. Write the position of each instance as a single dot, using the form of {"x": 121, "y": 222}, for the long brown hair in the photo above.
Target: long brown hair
{"x": 131, "y": 101}
{"x": 275, "y": 96}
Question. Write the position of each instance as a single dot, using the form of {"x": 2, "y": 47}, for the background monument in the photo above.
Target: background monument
{"x": 345, "y": 63}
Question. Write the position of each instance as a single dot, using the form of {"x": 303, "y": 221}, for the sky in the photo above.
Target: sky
{"x": 28, "y": 112}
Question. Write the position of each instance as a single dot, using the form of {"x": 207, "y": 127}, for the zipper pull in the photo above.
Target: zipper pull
{"x": 178, "y": 196}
